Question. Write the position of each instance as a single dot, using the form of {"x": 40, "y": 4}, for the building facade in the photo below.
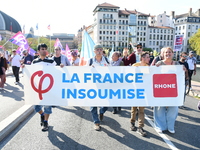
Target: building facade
{"x": 64, "y": 39}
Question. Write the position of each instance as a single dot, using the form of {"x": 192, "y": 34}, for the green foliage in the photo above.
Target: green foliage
{"x": 155, "y": 53}
{"x": 8, "y": 45}
{"x": 147, "y": 49}
{"x": 194, "y": 42}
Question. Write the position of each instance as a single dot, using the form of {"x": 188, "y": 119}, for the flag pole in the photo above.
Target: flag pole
{"x": 50, "y": 41}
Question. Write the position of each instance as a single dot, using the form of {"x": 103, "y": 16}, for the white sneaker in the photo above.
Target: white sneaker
{"x": 171, "y": 131}
{"x": 16, "y": 83}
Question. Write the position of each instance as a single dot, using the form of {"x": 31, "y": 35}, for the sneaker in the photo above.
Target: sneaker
{"x": 141, "y": 131}
{"x": 16, "y": 83}
{"x": 101, "y": 117}
{"x": 42, "y": 120}
{"x": 97, "y": 127}
{"x": 45, "y": 127}
{"x": 171, "y": 131}
{"x": 133, "y": 127}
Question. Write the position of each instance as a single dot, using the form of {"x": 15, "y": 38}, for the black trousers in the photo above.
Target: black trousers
{"x": 190, "y": 73}
{"x": 15, "y": 70}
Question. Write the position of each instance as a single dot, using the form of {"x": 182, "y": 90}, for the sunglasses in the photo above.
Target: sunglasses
{"x": 99, "y": 49}
{"x": 139, "y": 47}
{"x": 184, "y": 56}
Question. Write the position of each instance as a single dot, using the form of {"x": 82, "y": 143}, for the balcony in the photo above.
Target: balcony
{"x": 108, "y": 23}
{"x": 107, "y": 17}
{"x": 132, "y": 24}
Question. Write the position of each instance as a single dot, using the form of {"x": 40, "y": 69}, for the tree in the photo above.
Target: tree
{"x": 194, "y": 42}
{"x": 8, "y": 45}
{"x": 147, "y": 49}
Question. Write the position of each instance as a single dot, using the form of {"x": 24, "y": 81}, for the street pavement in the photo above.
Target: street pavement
{"x": 72, "y": 128}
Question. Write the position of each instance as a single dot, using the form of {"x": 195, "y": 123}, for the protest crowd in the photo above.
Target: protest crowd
{"x": 164, "y": 116}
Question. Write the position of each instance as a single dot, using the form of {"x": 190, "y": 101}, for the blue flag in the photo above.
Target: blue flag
{"x": 37, "y": 26}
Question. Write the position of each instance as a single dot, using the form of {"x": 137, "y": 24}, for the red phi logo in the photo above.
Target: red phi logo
{"x": 39, "y": 89}
{"x": 165, "y": 85}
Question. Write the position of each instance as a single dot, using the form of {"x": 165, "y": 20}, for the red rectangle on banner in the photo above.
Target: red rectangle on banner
{"x": 165, "y": 85}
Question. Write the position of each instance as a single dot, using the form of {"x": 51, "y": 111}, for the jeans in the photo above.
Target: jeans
{"x": 47, "y": 109}
{"x": 95, "y": 115}
{"x": 165, "y": 117}
{"x": 190, "y": 73}
{"x": 15, "y": 70}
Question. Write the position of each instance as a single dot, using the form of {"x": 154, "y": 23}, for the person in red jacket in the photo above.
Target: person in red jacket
{"x": 133, "y": 57}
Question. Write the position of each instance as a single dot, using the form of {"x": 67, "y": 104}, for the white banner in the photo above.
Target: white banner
{"x": 104, "y": 86}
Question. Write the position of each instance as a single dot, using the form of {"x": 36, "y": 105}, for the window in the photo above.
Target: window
{"x": 179, "y": 27}
{"x": 144, "y": 28}
{"x": 100, "y": 32}
{"x": 167, "y": 43}
{"x": 164, "y": 44}
{"x": 100, "y": 27}
{"x": 119, "y": 27}
{"x": 171, "y": 43}
{"x": 144, "y": 39}
{"x": 154, "y": 37}
{"x": 172, "y": 31}
{"x": 183, "y": 27}
{"x": 150, "y": 36}
{"x": 196, "y": 27}
{"x": 100, "y": 20}
{"x": 168, "y": 31}
{"x": 153, "y": 42}
{"x": 107, "y": 27}
{"x": 110, "y": 32}
{"x": 110, "y": 27}
{"x": 123, "y": 33}
{"x": 161, "y": 37}
{"x": 188, "y": 34}
{"x": 168, "y": 38}
{"x": 171, "y": 37}
{"x": 140, "y": 33}
{"x": 119, "y": 32}
{"x": 107, "y": 32}
{"x": 100, "y": 38}
{"x": 104, "y": 27}
{"x": 160, "y": 21}
{"x": 144, "y": 34}
{"x": 157, "y": 43}
{"x": 154, "y": 30}
{"x": 176, "y": 28}
{"x": 160, "y": 42}
{"x": 103, "y": 32}
{"x": 161, "y": 31}
{"x": 150, "y": 30}
{"x": 140, "y": 39}
{"x": 157, "y": 37}
{"x": 157, "y": 30}
{"x": 149, "y": 42}
{"x": 189, "y": 27}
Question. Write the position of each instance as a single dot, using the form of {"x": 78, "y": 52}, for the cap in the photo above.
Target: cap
{"x": 25, "y": 51}
{"x": 14, "y": 50}
{"x": 74, "y": 53}
{"x": 139, "y": 44}
{"x": 98, "y": 46}
{"x": 191, "y": 53}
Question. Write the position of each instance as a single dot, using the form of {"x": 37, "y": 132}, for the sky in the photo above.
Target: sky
{"x": 68, "y": 16}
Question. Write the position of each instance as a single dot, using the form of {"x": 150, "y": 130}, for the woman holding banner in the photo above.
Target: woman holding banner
{"x": 116, "y": 62}
{"x": 165, "y": 117}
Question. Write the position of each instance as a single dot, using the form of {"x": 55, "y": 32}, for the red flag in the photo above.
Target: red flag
{"x": 48, "y": 27}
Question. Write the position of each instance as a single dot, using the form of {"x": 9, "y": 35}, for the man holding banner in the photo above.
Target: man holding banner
{"x": 98, "y": 60}
{"x": 43, "y": 60}
{"x": 61, "y": 60}
{"x": 144, "y": 61}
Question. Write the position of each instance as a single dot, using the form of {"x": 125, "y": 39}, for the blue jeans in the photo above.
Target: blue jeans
{"x": 165, "y": 117}
{"x": 47, "y": 109}
{"x": 95, "y": 115}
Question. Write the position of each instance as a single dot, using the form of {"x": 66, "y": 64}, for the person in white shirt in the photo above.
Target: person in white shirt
{"x": 98, "y": 60}
{"x": 191, "y": 60}
{"x": 15, "y": 63}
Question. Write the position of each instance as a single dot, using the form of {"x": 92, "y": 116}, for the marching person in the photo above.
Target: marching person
{"x": 144, "y": 61}
{"x": 191, "y": 60}
{"x": 60, "y": 59}
{"x": 75, "y": 60}
{"x": 98, "y": 60}
{"x": 27, "y": 58}
{"x": 133, "y": 57}
{"x": 43, "y": 60}
{"x": 182, "y": 61}
{"x": 116, "y": 62}
{"x": 15, "y": 63}
{"x": 165, "y": 116}
{"x": 3, "y": 68}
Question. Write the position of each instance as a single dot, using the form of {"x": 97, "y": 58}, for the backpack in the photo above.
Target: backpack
{"x": 91, "y": 61}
